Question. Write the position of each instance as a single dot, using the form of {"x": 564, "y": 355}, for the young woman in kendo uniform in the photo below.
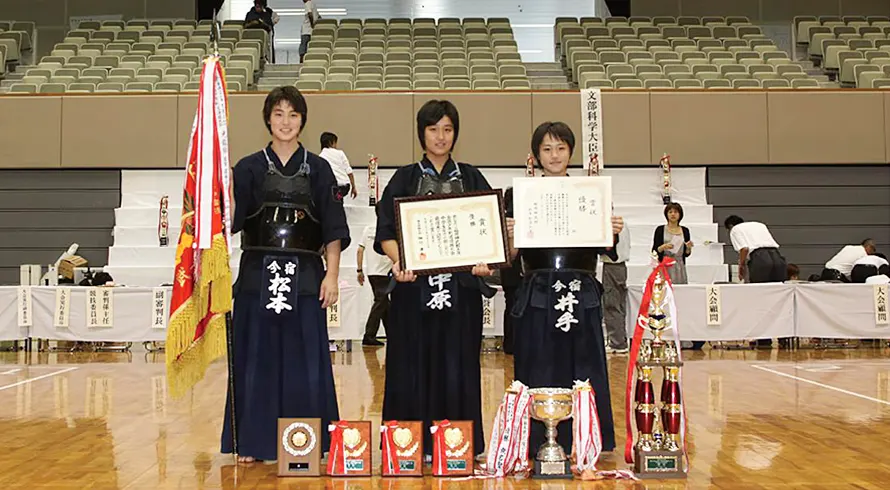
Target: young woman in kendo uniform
{"x": 432, "y": 352}
{"x": 290, "y": 213}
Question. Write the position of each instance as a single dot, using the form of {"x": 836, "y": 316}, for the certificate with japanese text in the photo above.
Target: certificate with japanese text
{"x": 449, "y": 233}
{"x": 565, "y": 212}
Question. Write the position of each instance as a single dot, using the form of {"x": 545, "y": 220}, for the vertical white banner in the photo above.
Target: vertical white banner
{"x": 159, "y": 308}
{"x": 592, "y": 128}
{"x": 333, "y": 312}
{"x": 713, "y": 305}
{"x": 62, "y": 311}
{"x": 488, "y": 313}
{"x": 880, "y": 292}
{"x": 92, "y": 307}
{"x": 106, "y": 307}
{"x": 25, "y": 307}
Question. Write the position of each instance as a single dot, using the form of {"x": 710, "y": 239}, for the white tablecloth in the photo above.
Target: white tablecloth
{"x": 749, "y": 311}
{"x": 843, "y": 311}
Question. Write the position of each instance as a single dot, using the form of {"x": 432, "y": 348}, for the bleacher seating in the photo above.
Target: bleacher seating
{"x": 855, "y": 50}
{"x": 143, "y": 56}
{"x": 406, "y": 54}
{"x": 15, "y": 43}
{"x": 668, "y": 52}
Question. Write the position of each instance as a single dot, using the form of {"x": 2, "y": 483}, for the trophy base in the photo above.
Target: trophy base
{"x": 666, "y": 199}
{"x": 658, "y": 465}
{"x": 545, "y": 470}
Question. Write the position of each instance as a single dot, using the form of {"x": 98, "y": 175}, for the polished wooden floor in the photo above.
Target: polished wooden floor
{"x": 758, "y": 420}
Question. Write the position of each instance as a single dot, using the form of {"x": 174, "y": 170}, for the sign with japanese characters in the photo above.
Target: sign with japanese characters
{"x": 24, "y": 306}
{"x": 159, "y": 308}
{"x": 880, "y": 292}
{"x": 565, "y": 303}
{"x": 571, "y": 212}
{"x": 333, "y": 312}
{"x": 100, "y": 307}
{"x": 488, "y": 317}
{"x": 62, "y": 312}
{"x": 713, "y": 306}
{"x": 441, "y": 292}
{"x": 592, "y": 128}
{"x": 281, "y": 273}
{"x": 449, "y": 233}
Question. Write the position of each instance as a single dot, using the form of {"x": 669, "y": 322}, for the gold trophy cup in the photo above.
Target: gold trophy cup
{"x": 551, "y": 406}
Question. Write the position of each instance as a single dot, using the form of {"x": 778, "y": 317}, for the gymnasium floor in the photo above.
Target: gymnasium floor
{"x": 758, "y": 420}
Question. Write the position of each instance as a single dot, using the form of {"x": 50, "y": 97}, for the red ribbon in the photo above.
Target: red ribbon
{"x": 639, "y": 329}
{"x": 337, "y": 458}
{"x": 440, "y": 461}
{"x": 390, "y": 461}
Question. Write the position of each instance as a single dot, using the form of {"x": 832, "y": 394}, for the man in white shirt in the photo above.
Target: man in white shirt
{"x": 869, "y": 266}
{"x": 615, "y": 293}
{"x": 377, "y": 267}
{"x": 759, "y": 257}
{"x": 339, "y": 164}
{"x": 310, "y": 18}
{"x": 840, "y": 266}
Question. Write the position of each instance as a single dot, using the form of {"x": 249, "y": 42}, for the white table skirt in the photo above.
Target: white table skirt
{"x": 843, "y": 311}
{"x": 132, "y": 315}
{"x": 749, "y": 311}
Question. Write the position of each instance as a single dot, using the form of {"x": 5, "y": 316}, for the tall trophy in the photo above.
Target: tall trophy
{"x": 530, "y": 166}
{"x": 665, "y": 165}
{"x": 551, "y": 406}
{"x": 163, "y": 221}
{"x": 372, "y": 180}
{"x": 659, "y": 451}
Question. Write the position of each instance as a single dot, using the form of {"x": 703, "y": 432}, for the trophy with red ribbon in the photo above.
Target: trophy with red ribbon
{"x": 530, "y": 166}
{"x": 372, "y": 180}
{"x": 402, "y": 451}
{"x": 453, "y": 448}
{"x": 350, "y": 452}
{"x": 163, "y": 222}
{"x": 665, "y": 164}
{"x": 659, "y": 451}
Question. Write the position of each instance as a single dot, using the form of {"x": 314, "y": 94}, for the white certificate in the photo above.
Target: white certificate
{"x": 565, "y": 212}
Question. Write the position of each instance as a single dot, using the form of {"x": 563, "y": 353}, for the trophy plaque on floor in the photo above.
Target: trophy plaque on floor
{"x": 453, "y": 448}
{"x": 299, "y": 447}
{"x": 402, "y": 448}
{"x": 350, "y": 453}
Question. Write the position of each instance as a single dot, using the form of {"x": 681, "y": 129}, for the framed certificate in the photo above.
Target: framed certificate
{"x": 450, "y": 233}
{"x": 565, "y": 212}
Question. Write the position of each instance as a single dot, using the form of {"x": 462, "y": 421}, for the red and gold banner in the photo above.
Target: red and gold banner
{"x": 202, "y": 283}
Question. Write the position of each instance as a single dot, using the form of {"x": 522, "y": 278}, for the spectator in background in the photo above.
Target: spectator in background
{"x": 869, "y": 266}
{"x": 615, "y": 293}
{"x": 262, "y": 17}
{"x": 309, "y": 20}
{"x": 674, "y": 241}
{"x": 378, "y": 268}
{"x": 841, "y": 265}
{"x": 793, "y": 273}
{"x": 759, "y": 257}
{"x": 339, "y": 164}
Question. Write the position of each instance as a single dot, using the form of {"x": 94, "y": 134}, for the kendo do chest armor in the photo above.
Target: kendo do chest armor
{"x": 431, "y": 183}
{"x": 285, "y": 220}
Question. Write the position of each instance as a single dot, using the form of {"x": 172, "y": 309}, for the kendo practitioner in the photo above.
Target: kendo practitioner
{"x": 434, "y": 338}
{"x": 558, "y": 311}
{"x": 290, "y": 213}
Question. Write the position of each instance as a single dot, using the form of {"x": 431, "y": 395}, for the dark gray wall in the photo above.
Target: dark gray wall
{"x": 43, "y": 211}
{"x": 812, "y": 211}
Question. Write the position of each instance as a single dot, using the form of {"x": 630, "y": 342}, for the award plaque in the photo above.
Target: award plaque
{"x": 451, "y": 233}
{"x": 299, "y": 447}
{"x": 453, "y": 453}
{"x": 572, "y": 212}
{"x": 402, "y": 448}
{"x": 350, "y": 453}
